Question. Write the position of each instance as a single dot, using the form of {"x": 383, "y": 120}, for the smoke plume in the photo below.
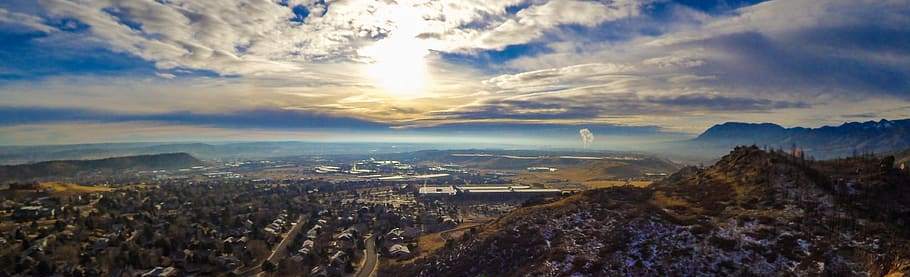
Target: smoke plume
{"x": 587, "y": 138}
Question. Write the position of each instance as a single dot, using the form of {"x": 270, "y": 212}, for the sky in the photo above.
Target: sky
{"x": 463, "y": 71}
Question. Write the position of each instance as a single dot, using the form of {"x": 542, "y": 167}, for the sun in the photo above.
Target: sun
{"x": 398, "y": 62}
{"x": 399, "y": 67}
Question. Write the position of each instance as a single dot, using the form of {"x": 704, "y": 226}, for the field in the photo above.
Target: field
{"x": 589, "y": 179}
{"x": 67, "y": 188}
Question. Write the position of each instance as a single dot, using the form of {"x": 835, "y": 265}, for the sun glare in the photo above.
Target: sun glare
{"x": 399, "y": 65}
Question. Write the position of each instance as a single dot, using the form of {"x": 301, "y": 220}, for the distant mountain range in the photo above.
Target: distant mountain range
{"x": 882, "y": 136}
{"x": 71, "y": 168}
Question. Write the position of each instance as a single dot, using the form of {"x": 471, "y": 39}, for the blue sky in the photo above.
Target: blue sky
{"x": 531, "y": 71}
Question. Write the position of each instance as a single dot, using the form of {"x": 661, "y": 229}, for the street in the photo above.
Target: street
{"x": 280, "y": 249}
{"x": 371, "y": 259}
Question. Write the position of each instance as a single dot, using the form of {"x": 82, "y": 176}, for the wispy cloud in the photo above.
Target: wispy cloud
{"x": 261, "y": 119}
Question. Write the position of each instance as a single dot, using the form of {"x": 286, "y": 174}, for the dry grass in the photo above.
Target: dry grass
{"x": 664, "y": 201}
{"x": 67, "y": 188}
{"x": 429, "y": 243}
{"x": 590, "y": 179}
{"x": 615, "y": 183}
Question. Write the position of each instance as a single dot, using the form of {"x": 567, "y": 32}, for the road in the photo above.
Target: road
{"x": 370, "y": 260}
{"x": 279, "y": 251}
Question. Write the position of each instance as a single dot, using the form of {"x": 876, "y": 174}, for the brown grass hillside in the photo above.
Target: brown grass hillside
{"x": 69, "y": 168}
{"x": 753, "y": 213}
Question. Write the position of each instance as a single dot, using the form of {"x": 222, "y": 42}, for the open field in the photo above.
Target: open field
{"x": 587, "y": 178}
{"x": 67, "y": 188}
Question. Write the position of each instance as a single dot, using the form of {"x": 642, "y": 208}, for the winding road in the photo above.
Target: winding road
{"x": 371, "y": 259}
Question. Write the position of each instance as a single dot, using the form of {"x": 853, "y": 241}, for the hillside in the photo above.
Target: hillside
{"x": 824, "y": 142}
{"x": 752, "y": 213}
{"x": 68, "y": 168}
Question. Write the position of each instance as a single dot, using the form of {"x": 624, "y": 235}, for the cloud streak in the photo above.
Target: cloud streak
{"x": 261, "y": 119}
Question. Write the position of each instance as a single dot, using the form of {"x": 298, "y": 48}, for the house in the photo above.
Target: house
{"x": 307, "y": 248}
{"x": 345, "y": 240}
{"x": 339, "y": 259}
{"x": 447, "y": 220}
{"x": 339, "y": 263}
{"x": 395, "y": 234}
{"x": 275, "y": 226}
{"x": 345, "y": 236}
{"x": 33, "y": 212}
{"x": 399, "y": 251}
{"x": 313, "y": 232}
{"x": 405, "y": 234}
{"x": 161, "y": 272}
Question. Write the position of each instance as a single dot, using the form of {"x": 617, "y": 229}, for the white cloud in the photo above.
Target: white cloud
{"x": 531, "y": 23}
{"x": 165, "y": 75}
{"x": 259, "y": 37}
{"x": 680, "y": 60}
{"x": 14, "y": 21}
{"x": 554, "y": 78}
